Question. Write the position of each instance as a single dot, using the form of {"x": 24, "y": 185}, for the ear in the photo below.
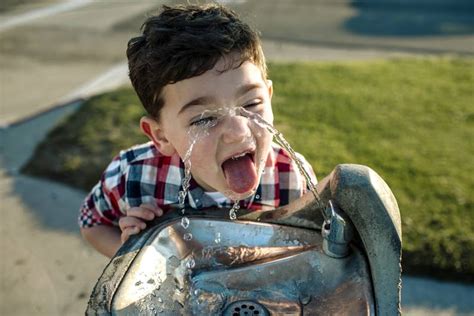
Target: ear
{"x": 270, "y": 88}
{"x": 151, "y": 128}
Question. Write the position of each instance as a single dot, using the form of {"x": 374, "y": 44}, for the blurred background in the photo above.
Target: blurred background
{"x": 386, "y": 83}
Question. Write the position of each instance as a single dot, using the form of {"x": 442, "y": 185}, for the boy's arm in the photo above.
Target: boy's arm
{"x": 105, "y": 239}
{"x": 99, "y": 214}
{"x": 108, "y": 239}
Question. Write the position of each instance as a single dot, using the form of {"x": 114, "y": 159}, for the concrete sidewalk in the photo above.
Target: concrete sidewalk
{"x": 46, "y": 268}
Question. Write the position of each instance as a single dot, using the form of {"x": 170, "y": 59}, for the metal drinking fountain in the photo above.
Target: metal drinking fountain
{"x": 339, "y": 255}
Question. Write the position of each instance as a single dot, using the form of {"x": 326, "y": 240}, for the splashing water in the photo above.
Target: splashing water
{"x": 191, "y": 263}
{"x": 217, "y": 238}
{"x": 278, "y": 136}
{"x": 195, "y": 133}
{"x": 194, "y": 136}
{"x": 210, "y": 119}
{"x": 233, "y": 210}
{"x": 185, "y": 222}
{"x": 187, "y": 175}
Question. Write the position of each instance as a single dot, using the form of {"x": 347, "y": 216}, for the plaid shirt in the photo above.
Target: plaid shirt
{"x": 142, "y": 174}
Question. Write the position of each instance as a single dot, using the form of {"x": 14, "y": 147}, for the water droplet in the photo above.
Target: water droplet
{"x": 257, "y": 196}
{"x": 217, "y": 238}
{"x": 233, "y": 210}
{"x": 305, "y": 299}
{"x": 188, "y": 236}
{"x": 150, "y": 281}
{"x": 138, "y": 283}
{"x": 190, "y": 263}
{"x": 185, "y": 222}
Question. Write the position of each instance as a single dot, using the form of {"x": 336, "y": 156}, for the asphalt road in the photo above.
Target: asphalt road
{"x": 421, "y": 26}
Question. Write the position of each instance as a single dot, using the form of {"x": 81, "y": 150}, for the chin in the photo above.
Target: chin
{"x": 239, "y": 196}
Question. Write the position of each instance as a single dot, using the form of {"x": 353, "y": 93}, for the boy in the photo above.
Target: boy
{"x": 201, "y": 75}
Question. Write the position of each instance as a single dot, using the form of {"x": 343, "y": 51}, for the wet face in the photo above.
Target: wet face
{"x": 215, "y": 111}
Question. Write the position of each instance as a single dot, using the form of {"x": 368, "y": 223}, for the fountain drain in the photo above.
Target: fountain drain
{"x": 245, "y": 308}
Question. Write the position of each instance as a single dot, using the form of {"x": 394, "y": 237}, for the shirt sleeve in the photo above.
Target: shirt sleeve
{"x": 104, "y": 204}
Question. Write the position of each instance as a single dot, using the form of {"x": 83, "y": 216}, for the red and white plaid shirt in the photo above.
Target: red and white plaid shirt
{"x": 142, "y": 174}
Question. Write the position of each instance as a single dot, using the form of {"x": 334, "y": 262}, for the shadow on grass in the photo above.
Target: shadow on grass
{"x": 54, "y": 205}
{"x": 412, "y": 18}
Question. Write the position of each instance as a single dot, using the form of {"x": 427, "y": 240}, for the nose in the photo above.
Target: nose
{"x": 236, "y": 129}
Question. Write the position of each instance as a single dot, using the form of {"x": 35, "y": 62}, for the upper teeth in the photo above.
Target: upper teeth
{"x": 238, "y": 156}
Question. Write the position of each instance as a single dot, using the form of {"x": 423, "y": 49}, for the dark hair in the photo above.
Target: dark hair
{"x": 186, "y": 41}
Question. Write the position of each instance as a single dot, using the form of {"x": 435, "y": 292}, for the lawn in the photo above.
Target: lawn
{"x": 411, "y": 120}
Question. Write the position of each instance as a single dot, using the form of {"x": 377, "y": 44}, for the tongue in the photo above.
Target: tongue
{"x": 240, "y": 174}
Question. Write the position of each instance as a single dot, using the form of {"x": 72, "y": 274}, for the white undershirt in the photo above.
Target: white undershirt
{"x": 217, "y": 196}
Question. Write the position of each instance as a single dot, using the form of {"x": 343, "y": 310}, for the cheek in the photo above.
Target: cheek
{"x": 183, "y": 142}
{"x": 267, "y": 113}
{"x": 203, "y": 152}
{"x": 269, "y": 116}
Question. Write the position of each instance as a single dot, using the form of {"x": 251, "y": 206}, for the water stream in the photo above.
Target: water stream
{"x": 278, "y": 136}
{"x": 211, "y": 118}
{"x": 215, "y": 301}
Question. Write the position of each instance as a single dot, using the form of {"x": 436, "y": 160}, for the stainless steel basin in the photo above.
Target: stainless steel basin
{"x": 266, "y": 263}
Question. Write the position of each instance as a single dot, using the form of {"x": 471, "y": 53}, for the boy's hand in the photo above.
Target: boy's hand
{"x": 136, "y": 218}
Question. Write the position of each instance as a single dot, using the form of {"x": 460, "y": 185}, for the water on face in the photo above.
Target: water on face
{"x": 209, "y": 119}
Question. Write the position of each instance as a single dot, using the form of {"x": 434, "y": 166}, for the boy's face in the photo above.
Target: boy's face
{"x": 230, "y": 149}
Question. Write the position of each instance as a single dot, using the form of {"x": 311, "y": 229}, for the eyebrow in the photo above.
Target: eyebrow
{"x": 195, "y": 102}
{"x": 208, "y": 100}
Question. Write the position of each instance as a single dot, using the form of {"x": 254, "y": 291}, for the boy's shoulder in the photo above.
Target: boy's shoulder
{"x": 285, "y": 164}
{"x": 138, "y": 163}
{"x": 139, "y": 153}
{"x": 280, "y": 155}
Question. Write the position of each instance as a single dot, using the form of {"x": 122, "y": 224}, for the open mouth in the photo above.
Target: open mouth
{"x": 247, "y": 154}
{"x": 240, "y": 172}
{"x": 238, "y": 156}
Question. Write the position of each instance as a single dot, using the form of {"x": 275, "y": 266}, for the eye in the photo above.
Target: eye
{"x": 203, "y": 121}
{"x": 253, "y": 104}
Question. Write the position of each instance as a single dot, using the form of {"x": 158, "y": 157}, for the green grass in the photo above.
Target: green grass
{"x": 77, "y": 151}
{"x": 411, "y": 120}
